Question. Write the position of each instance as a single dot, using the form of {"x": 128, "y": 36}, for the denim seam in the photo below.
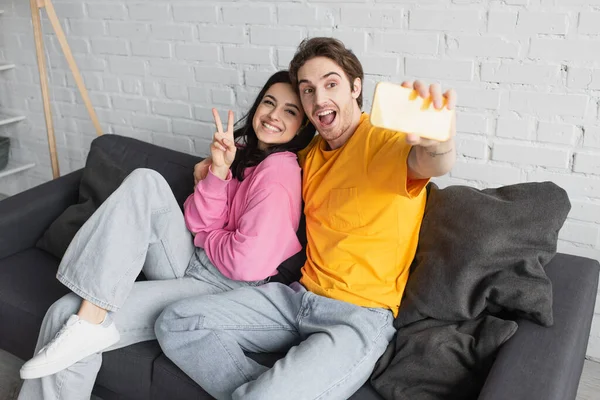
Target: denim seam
{"x": 235, "y": 362}
{"x": 59, "y": 385}
{"x": 354, "y": 367}
{"x": 303, "y": 306}
{"x": 254, "y": 327}
{"x": 169, "y": 257}
{"x": 113, "y": 291}
{"x": 83, "y": 294}
{"x": 160, "y": 210}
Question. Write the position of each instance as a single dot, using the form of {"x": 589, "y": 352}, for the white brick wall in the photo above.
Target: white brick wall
{"x": 527, "y": 73}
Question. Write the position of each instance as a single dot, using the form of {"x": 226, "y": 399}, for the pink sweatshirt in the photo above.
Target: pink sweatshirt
{"x": 248, "y": 228}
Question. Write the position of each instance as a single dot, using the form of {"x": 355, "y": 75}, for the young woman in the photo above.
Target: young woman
{"x": 238, "y": 225}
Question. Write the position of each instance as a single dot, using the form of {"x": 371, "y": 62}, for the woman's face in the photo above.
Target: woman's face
{"x": 278, "y": 117}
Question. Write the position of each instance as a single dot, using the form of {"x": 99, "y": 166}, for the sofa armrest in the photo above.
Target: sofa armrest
{"x": 546, "y": 363}
{"x": 25, "y": 217}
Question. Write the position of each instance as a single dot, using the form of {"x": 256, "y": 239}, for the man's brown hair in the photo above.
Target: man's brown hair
{"x": 335, "y": 51}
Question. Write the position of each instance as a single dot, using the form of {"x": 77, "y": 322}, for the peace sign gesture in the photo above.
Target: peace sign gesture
{"x": 223, "y": 147}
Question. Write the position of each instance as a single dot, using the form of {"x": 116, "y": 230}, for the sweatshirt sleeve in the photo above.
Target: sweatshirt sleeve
{"x": 207, "y": 207}
{"x": 266, "y": 236}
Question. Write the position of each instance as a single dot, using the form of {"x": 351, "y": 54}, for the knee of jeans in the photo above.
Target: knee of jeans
{"x": 171, "y": 321}
{"x": 144, "y": 176}
{"x": 161, "y": 326}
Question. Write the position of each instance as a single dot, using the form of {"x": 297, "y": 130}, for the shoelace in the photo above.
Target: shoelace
{"x": 62, "y": 334}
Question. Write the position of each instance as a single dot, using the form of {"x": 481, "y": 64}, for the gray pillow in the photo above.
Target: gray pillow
{"x": 101, "y": 177}
{"x": 484, "y": 251}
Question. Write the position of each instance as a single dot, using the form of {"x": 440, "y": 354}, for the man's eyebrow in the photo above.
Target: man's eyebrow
{"x": 327, "y": 75}
{"x": 287, "y": 104}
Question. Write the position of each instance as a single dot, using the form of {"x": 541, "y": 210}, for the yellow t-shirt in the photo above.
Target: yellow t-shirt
{"x": 363, "y": 216}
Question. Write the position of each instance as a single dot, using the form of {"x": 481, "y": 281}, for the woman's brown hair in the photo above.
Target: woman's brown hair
{"x": 332, "y": 49}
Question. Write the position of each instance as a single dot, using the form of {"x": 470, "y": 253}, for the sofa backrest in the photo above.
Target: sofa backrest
{"x": 128, "y": 153}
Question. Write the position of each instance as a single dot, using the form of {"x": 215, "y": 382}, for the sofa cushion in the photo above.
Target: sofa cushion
{"x": 484, "y": 250}
{"x": 110, "y": 160}
{"x": 546, "y": 362}
{"x": 169, "y": 382}
{"x": 128, "y": 371}
{"x": 28, "y": 286}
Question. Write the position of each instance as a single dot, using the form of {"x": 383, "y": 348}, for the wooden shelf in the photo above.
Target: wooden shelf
{"x": 4, "y": 66}
{"x": 15, "y": 168}
{"x": 6, "y": 119}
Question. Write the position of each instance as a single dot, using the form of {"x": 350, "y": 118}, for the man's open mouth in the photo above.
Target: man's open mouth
{"x": 326, "y": 117}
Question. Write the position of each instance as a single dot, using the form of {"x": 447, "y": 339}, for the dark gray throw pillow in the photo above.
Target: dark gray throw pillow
{"x": 101, "y": 177}
{"x": 484, "y": 251}
{"x": 433, "y": 360}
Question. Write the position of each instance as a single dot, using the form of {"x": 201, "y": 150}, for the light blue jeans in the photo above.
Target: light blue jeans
{"x": 333, "y": 345}
{"x": 140, "y": 227}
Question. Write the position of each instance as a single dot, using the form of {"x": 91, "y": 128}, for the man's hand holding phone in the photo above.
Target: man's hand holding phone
{"x": 423, "y": 113}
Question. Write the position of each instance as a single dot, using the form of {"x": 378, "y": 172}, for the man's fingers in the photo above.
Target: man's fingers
{"x": 435, "y": 90}
{"x": 422, "y": 89}
{"x": 452, "y": 98}
{"x": 218, "y": 122}
{"x": 413, "y": 139}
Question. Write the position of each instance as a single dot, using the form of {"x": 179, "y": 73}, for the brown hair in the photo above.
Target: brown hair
{"x": 332, "y": 49}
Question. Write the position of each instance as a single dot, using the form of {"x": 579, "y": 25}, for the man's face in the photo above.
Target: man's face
{"x": 328, "y": 97}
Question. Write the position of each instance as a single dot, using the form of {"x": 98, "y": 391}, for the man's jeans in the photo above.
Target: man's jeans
{"x": 140, "y": 227}
{"x": 334, "y": 344}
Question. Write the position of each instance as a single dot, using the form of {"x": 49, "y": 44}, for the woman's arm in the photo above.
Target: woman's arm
{"x": 265, "y": 237}
{"x": 207, "y": 208}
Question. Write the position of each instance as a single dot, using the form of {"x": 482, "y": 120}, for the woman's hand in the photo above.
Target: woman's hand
{"x": 223, "y": 148}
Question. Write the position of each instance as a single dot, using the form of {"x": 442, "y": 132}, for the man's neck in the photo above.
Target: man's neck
{"x": 347, "y": 134}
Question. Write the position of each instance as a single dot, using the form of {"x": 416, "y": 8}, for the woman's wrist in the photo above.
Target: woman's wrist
{"x": 220, "y": 172}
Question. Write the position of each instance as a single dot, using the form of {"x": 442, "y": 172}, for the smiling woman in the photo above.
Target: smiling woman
{"x": 279, "y": 116}
{"x": 274, "y": 123}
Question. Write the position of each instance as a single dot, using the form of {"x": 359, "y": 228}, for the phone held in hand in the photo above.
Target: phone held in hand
{"x": 401, "y": 109}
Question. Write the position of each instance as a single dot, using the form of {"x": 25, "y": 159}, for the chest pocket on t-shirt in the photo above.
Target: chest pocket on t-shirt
{"x": 344, "y": 209}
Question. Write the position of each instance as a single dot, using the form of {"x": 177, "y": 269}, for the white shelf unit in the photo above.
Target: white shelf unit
{"x": 14, "y": 168}
{"x": 6, "y": 119}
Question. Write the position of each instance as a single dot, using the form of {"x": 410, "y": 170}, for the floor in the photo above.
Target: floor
{"x": 589, "y": 386}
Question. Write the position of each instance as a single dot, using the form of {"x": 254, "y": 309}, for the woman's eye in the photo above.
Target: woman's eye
{"x": 269, "y": 102}
{"x": 291, "y": 112}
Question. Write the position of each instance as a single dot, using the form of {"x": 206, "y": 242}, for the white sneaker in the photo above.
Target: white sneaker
{"x": 76, "y": 340}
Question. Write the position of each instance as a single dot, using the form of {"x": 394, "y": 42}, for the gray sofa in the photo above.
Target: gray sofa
{"x": 536, "y": 363}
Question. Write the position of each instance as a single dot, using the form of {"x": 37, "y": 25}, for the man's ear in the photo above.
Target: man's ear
{"x": 356, "y": 88}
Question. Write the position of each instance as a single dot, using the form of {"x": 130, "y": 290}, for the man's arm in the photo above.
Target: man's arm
{"x": 429, "y": 158}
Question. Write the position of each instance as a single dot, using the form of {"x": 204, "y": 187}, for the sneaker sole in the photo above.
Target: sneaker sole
{"x": 40, "y": 371}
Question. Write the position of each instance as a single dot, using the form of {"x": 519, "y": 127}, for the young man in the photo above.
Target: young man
{"x": 364, "y": 196}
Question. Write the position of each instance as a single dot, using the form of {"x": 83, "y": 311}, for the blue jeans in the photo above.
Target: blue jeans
{"x": 332, "y": 346}
{"x": 140, "y": 227}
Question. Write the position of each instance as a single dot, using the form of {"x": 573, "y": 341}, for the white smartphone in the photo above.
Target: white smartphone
{"x": 401, "y": 109}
